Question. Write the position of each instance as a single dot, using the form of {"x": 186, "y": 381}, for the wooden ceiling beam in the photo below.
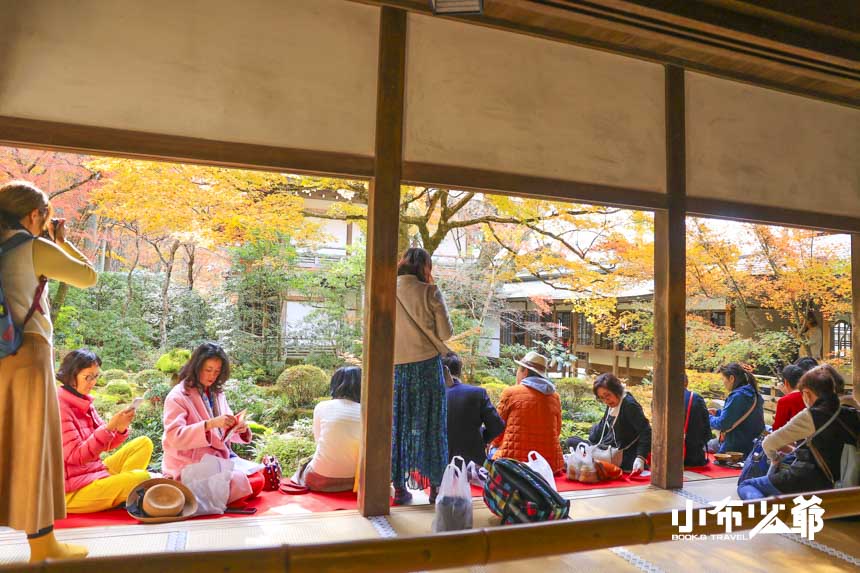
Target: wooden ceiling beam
{"x": 812, "y": 58}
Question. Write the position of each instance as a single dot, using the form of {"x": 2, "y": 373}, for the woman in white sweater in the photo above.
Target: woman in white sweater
{"x": 337, "y": 433}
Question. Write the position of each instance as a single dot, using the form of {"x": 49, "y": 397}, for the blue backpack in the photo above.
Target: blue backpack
{"x": 12, "y": 334}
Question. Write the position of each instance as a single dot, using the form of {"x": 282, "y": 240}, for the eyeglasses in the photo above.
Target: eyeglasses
{"x": 92, "y": 377}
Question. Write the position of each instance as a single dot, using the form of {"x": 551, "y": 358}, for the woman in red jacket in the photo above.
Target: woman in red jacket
{"x": 92, "y": 484}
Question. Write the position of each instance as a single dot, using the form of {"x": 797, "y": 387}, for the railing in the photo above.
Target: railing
{"x": 445, "y": 550}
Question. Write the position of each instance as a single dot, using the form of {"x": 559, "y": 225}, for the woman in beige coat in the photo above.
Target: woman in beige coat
{"x": 419, "y": 437}
{"x": 32, "y": 491}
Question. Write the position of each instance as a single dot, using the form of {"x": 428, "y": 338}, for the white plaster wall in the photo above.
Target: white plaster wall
{"x": 765, "y": 147}
{"x": 496, "y": 100}
{"x": 292, "y": 73}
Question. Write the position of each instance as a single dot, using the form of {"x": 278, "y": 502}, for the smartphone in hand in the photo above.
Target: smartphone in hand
{"x": 135, "y": 403}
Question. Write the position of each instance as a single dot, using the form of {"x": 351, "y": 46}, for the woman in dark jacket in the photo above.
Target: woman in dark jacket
{"x": 741, "y": 420}
{"x": 697, "y": 431}
{"x": 817, "y": 463}
{"x": 623, "y": 426}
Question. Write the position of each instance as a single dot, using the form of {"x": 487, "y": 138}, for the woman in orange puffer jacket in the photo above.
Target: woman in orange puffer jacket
{"x": 532, "y": 414}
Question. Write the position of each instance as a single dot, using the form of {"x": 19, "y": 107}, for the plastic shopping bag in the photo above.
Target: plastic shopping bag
{"x": 539, "y": 464}
{"x": 572, "y": 463}
{"x": 476, "y": 474}
{"x": 209, "y": 480}
{"x": 587, "y": 472}
{"x": 454, "y": 500}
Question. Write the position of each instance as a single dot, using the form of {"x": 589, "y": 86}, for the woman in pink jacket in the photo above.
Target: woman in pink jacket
{"x": 92, "y": 484}
{"x": 197, "y": 418}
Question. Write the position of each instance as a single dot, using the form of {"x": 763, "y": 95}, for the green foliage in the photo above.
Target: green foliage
{"x": 106, "y": 404}
{"x": 302, "y": 384}
{"x": 245, "y": 395}
{"x": 148, "y": 378}
{"x": 157, "y": 393}
{"x": 572, "y": 392}
{"x": 570, "y": 428}
{"x": 288, "y": 449}
{"x": 708, "y": 385}
{"x": 250, "y": 323}
{"x": 303, "y": 428}
{"x": 172, "y": 362}
{"x": 189, "y": 323}
{"x": 327, "y": 361}
{"x": 114, "y": 374}
{"x": 709, "y": 347}
{"x": 336, "y": 320}
{"x": 499, "y": 374}
{"x": 120, "y": 388}
{"x": 494, "y": 391}
{"x": 482, "y": 378}
{"x": 148, "y": 422}
{"x": 121, "y": 330}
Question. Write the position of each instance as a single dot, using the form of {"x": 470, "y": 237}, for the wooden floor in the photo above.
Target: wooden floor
{"x": 839, "y": 549}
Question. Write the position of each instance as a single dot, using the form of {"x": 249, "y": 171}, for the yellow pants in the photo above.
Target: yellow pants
{"x": 127, "y": 467}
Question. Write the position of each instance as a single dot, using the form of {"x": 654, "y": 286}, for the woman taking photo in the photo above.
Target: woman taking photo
{"x": 198, "y": 420}
{"x": 741, "y": 420}
{"x": 419, "y": 440}
{"x": 32, "y": 491}
{"x": 92, "y": 484}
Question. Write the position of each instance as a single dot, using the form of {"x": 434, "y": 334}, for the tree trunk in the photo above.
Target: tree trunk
{"x": 165, "y": 292}
{"x": 59, "y": 300}
{"x": 190, "y": 251}
{"x": 129, "y": 278}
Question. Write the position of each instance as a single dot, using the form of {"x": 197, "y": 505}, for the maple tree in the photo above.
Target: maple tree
{"x": 172, "y": 206}
{"x": 785, "y": 270}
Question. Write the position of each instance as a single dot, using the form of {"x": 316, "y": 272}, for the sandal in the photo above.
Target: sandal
{"x": 289, "y": 487}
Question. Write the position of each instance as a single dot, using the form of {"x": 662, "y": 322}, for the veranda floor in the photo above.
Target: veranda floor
{"x": 838, "y": 543}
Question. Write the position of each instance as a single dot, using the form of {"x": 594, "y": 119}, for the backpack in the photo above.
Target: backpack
{"x": 518, "y": 494}
{"x": 12, "y": 334}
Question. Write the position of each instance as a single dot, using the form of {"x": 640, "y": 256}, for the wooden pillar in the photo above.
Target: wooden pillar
{"x": 855, "y": 314}
{"x": 670, "y": 299}
{"x": 383, "y": 210}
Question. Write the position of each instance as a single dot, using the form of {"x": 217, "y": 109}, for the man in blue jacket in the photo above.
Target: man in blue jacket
{"x": 473, "y": 421}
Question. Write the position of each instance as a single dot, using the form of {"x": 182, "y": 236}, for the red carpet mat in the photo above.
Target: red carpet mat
{"x": 713, "y": 470}
{"x": 265, "y": 503}
{"x": 563, "y": 484}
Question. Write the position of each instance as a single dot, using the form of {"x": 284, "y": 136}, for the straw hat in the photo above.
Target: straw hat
{"x": 534, "y": 361}
{"x": 161, "y": 500}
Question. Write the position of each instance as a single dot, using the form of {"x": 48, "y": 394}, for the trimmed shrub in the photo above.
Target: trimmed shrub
{"x": 114, "y": 374}
{"x": 120, "y": 388}
{"x": 303, "y": 384}
{"x": 149, "y": 377}
{"x": 289, "y": 450}
{"x": 173, "y": 361}
{"x": 106, "y": 404}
